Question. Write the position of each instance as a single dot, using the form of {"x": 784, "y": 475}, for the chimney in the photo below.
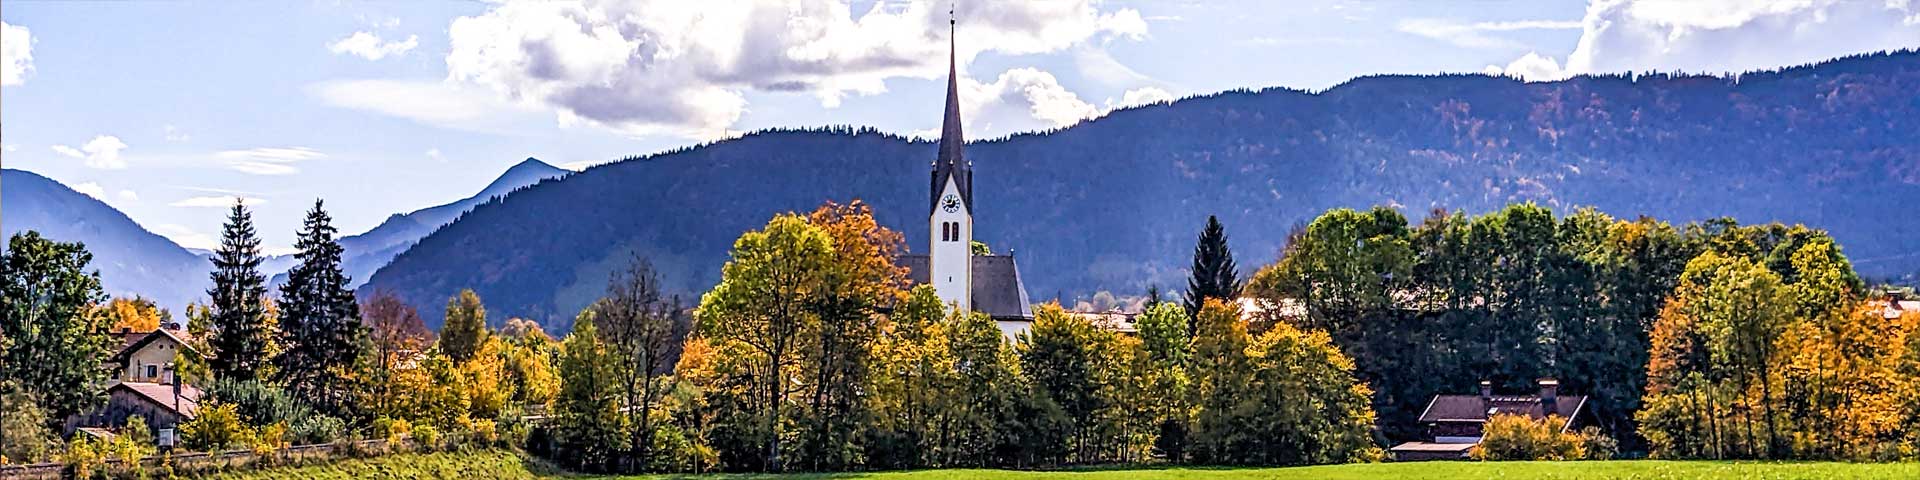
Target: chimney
{"x": 1549, "y": 396}
{"x": 1486, "y": 390}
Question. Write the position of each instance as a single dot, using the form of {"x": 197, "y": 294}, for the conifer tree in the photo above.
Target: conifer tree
{"x": 319, "y": 320}
{"x": 466, "y": 326}
{"x": 1214, "y": 275}
{"x": 240, "y": 332}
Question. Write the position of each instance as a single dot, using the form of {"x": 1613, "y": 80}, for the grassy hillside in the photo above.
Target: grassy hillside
{"x": 447, "y": 465}
{"x": 1639, "y": 470}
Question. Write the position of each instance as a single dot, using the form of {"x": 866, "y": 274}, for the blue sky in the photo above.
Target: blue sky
{"x": 167, "y": 110}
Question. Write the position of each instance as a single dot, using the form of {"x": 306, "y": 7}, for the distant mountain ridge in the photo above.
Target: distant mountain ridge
{"x": 130, "y": 259}
{"x": 1114, "y": 203}
{"x": 368, "y": 251}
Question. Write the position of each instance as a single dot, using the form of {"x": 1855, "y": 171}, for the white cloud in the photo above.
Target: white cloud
{"x": 215, "y": 201}
{"x": 16, "y": 54}
{"x": 187, "y": 237}
{"x": 101, "y": 152}
{"x": 1142, "y": 96}
{"x": 1476, "y": 35}
{"x": 268, "y": 160}
{"x": 129, "y": 196}
{"x": 92, "y": 190}
{"x": 434, "y": 153}
{"x": 439, "y": 104}
{"x": 369, "y": 46}
{"x": 1532, "y": 67}
{"x": 1729, "y": 36}
{"x": 669, "y": 66}
{"x": 9, "y": 147}
{"x": 1020, "y": 99}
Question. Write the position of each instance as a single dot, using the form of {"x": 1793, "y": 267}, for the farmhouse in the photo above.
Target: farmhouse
{"x": 144, "y": 385}
{"x": 965, "y": 280}
{"x": 1454, "y": 422}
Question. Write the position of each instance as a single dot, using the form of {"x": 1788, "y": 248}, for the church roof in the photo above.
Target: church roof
{"x": 997, "y": 289}
{"x": 951, "y": 162}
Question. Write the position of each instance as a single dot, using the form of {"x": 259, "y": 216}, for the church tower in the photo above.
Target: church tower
{"x": 951, "y": 213}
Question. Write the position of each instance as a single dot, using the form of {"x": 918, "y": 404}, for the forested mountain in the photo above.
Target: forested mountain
{"x": 1114, "y": 203}
{"x": 131, "y": 260}
{"x": 369, "y": 251}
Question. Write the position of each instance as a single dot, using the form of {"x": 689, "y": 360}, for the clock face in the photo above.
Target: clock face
{"x": 951, "y": 203}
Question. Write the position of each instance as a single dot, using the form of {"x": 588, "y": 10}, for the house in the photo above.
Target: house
{"x": 143, "y": 385}
{"x": 1895, "y": 306}
{"x": 965, "y": 281}
{"x": 1454, "y": 422}
{"x": 144, "y": 356}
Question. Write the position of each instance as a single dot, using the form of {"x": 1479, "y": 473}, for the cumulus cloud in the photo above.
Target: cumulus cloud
{"x": 369, "y": 46}
{"x": 1142, "y": 96}
{"x": 1478, "y": 34}
{"x": 92, "y": 190}
{"x": 212, "y": 201}
{"x": 129, "y": 196}
{"x": 101, "y": 152}
{"x": 1726, "y": 36}
{"x": 1532, "y": 67}
{"x": 668, "y": 66}
{"x": 268, "y": 160}
{"x": 434, "y": 154}
{"x": 16, "y": 54}
{"x": 1021, "y": 99}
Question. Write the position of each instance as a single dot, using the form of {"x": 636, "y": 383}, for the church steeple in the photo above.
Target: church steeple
{"x": 951, "y": 162}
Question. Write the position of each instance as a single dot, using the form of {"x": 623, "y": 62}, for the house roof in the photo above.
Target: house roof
{"x": 137, "y": 341}
{"x": 1476, "y": 409}
{"x": 997, "y": 289}
{"x": 162, "y": 394}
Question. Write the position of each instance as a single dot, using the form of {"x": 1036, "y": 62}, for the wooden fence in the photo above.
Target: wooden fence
{"x": 187, "y": 463}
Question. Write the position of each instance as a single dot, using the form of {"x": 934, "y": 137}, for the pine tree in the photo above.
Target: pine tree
{"x": 319, "y": 320}
{"x": 465, "y": 328}
{"x": 239, "y": 313}
{"x": 1214, "y": 275}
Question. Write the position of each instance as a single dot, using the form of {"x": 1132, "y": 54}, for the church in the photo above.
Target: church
{"x": 964, "y": 280}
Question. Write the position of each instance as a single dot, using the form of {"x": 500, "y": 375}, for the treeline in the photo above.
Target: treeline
{"x": 813, "y": 354}
{"x": 1710, "y": 339}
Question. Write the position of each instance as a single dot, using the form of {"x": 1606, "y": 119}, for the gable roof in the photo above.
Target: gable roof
{"x": 162, "y": 394}
{"x": 997, "y": 288}
{"x": 135, "y": 342}
{"x": 1476, "y": 409}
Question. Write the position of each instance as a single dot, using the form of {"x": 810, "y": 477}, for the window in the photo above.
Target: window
{"x": 153, "y": 371}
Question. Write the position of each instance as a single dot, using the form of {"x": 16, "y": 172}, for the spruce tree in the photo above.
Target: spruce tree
{"x": 1214, "y": 275}
{"x": 239, "y": 315}
{"x": 319, "y": 320}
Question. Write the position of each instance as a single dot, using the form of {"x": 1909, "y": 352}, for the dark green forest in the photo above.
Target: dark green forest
{"x": 1111, "y": 204}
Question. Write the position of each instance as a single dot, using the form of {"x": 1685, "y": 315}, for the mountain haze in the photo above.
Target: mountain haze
{"x": 130, "y": 259}
{"x": 368, "y": 251}
{"x": 1114, "y": 203}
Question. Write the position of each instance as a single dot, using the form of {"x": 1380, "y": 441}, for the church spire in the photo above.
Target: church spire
{"x": 951, "y": 162}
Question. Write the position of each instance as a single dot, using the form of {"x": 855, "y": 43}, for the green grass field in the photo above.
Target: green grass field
{"x": 1636, "y": 469}
{"x": 503, "y": 465}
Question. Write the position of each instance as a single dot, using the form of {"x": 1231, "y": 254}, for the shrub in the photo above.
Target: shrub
{"x": 27, "y": 439}
{"x": 426, "y": 437}
{"x": 484, "y": 433}
{"x": 1518, "y": 437}
{"x": 395, "y": 430}
{"x": 259, "y": 403}
{"x": 1598, "y": 446}
{"x": 318, "y": 429}
{"x": 215, "y": 427}
{"x": 85, "y": 457}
